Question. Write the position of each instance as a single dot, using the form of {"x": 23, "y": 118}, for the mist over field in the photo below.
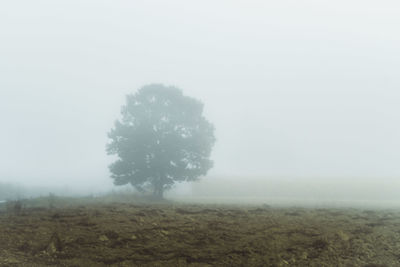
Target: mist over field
{"x": 304, "y": 95}
{"x": 199, "y": 133}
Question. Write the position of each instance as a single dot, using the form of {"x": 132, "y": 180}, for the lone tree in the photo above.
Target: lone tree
{"x": 161, "y": 139}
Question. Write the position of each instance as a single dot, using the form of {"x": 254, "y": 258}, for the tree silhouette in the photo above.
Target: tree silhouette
{"x": 161, "y": 139}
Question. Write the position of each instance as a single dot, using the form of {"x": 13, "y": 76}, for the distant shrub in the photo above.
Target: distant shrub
{"x": 14, "y": 207}
{"x": 52, "y": 200}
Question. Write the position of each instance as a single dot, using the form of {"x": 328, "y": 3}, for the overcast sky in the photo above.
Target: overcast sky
{"x": 294, "y": 88}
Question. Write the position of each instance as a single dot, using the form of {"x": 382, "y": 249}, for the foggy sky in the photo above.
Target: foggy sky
{"x": 294, "y": 88}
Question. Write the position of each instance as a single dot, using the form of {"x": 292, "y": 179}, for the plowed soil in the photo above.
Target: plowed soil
{"x": 199, "y": 235}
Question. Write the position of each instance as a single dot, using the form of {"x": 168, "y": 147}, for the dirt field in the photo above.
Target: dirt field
{"x": 198, "y": 235}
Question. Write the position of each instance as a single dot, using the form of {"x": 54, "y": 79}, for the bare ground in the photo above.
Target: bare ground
{"x": 198, "y": 235}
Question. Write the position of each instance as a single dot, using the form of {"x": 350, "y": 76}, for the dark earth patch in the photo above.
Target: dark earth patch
{"x": 198, "y": 235}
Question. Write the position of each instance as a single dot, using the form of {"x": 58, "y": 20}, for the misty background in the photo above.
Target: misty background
{"x": 303, "y": 94}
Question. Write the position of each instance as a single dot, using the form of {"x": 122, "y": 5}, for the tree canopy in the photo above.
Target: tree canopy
{"x": 162, "y": 138}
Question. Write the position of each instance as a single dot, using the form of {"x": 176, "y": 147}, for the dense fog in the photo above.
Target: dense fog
{"x": 304, "y": 95}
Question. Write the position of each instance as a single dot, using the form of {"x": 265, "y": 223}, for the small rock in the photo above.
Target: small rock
{"x": 134, "y": 237}
{"x": 343, "y": 236}
{"x": 55, "y": 244}
{"x": 12, "y": 260}
{"x": 103, "y": 238}
{"x": 51, "y": 248}
{"x": 164, "y": 232}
